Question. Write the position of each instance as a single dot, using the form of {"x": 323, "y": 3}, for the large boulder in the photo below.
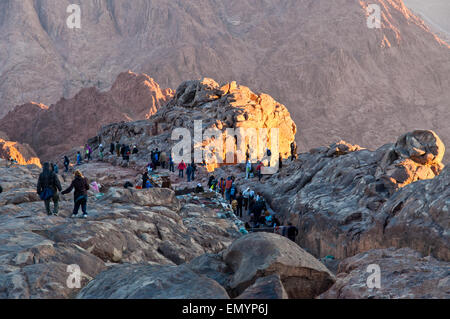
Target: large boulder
{"x": 152, "y": 282}
{"x": 404, "y": 272}
{"x": 262, "y": 254}
{"x": 269, "y": 287}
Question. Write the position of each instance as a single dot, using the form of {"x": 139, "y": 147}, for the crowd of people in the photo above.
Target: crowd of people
{"x": 247, "y": 204}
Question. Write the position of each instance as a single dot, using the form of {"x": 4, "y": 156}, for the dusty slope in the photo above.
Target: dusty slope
{"x": 70, "y": 122}
{"x": 338, "y": 78}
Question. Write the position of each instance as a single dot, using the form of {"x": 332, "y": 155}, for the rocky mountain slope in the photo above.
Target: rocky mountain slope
{"x": 153, "y": 244}
{"x": 338, "y": 78}
{"x": 346, "y": 200}
{"x": 52, "y": 130}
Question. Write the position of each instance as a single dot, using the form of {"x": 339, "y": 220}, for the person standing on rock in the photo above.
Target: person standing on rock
{"x": 111, "y": 148}
{"x": 88, "y": 151}
{"x": 240, "y": 201}
{"x": 189, "y": 172}
{"x": 194, "y": 169}
{"x": 79, "y": 160}
{"x": 144, "y": 180}
{"x": 66, "y": 163}
{"x": 258, "y": 170}
{"x": 163, "y": 160}
{"x": 292, "y": 232}
{"x": 117, "y": 149}
{"x": 245, "y": 196}
{"x": 248, "y": 169}
{"x": 181, "y": 168}
{"x": 47, "y": 187}
{"x": 171, "y": 164}
{"x": 81, "y": 186}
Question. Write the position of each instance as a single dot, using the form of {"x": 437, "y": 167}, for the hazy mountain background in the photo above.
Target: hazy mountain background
{"x": 338, "y": 78}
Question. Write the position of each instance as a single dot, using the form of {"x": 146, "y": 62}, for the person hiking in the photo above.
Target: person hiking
{"x": 222, "y": 185}
{"x": 293, "y": 151}
{"x": 171, "y": 164}
{"x": 81, "y": 186}
{"x": 248, "y": 169}
{"x": 246, "y": 195}
{"x": 144, "y": 179}
{"x": 135, "y": 150}
{"x": 258, "y": 170}
{"x": 228, "y": 185}
{"x": 181, "y": 168}
{"x": 194, "y": 169}
{"x": 47, "y": 188}
{"x": 163, "y": 159}
{"x": 111, "y": 148}
{"x": 118, "y": 149}
{"x": 210, "y": 181}
{"x": 280, "y": 163}
{"x": 233, "y": 192}
{"x": 240, "y": 201}
{"x": 157, "y": 157}
{"x": 88, "y": 151}
{"x": 292, "y": 232}
{"x": 101, "y": 150}
{"x": 79, "y": 159}
{"x": 66, "y": 163}
{"x": 234, "y": 205}
{"x": 189, "y": 171}
{"x": 55, "y": 168}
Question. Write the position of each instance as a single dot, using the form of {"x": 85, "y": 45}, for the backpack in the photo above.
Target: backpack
{"x": 46, "y": 194}
{"x": 269, "y": 153}
{"x": 233, "y": 191}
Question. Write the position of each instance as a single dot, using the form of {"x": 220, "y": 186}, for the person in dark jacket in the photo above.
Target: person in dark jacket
{"x": 111, "y": 148}
{"x": 292, "y": 232}
{"x": 240, "y": 202}
{"x": 81, "y": 186}
{"x": 49, "y": 180}
{"x": 66, "y": 163}
{"x": 144, "y": 180}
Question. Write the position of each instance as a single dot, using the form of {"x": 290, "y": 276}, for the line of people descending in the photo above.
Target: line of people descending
{"x": 49, "y": 187}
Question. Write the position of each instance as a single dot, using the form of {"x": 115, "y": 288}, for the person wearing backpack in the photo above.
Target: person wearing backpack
{"x": 47, "y": 187}
{"x": 81, "y": 186}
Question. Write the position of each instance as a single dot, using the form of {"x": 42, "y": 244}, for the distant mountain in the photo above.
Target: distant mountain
{"x": 70, "y": 122}
{"x": 435, "y": 12}
{"x": 338, "y": 78}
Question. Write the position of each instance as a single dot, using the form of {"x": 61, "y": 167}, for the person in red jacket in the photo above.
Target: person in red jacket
{"x": 181, "y": 168}
{"x": 258, "y": 170}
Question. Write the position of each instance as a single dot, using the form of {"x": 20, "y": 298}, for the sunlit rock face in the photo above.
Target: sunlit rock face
{"x": 216, "y": 108}
{"x": 22, "y": 154}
